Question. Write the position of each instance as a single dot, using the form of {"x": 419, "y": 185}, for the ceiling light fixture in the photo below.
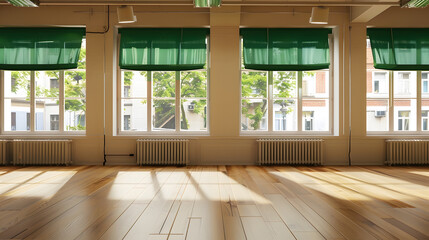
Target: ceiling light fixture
{"x": 319, "y": 15}
{"x": 207, "y": 3}
{"x": 24, "y": 3}
{"x": 126, "y": 14}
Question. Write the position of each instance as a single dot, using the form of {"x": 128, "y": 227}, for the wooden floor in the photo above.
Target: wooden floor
{"x": 204, "y": 203}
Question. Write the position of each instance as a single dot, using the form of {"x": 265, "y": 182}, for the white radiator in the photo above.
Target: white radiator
{"x": 162, "y": 151}
{"x": 3, "y": 147}
{"x": 407, "y": 151}
{"x": 290, "y": 151}
{"x": 41, "y": 152}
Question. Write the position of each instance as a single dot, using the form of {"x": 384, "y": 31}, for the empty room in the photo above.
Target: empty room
{"x": 214, "y": 119}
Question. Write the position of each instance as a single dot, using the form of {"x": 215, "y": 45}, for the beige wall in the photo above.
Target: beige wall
{"x": 224, "y": 145}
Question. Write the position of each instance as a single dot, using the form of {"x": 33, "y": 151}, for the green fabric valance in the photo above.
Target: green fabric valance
{"x": 285, "y": 49}
{"x": 40, "y": 48}
{"x": 163, "y": 49}
{"x": 400, "y": 48}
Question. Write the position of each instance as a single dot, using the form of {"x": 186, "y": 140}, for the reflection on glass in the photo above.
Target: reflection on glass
{"x": 254, "y": 114}
{"x": 163, "y": 114}
{"x": 254, "y": 84}
{"x": 285, "y": 115}
{"x": 134, "y": 115}
{"x": 193, "y": 114}
{"x": 377, "y": 115}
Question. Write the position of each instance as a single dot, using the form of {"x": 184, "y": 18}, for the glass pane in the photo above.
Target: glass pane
{"x": 17, "y": 84}
{"x": 405, "y": 84}
{"x": 425, "y": 120}
{"x": 285, "y": 115}
{"x": 47, "y": 84}
{"x": 320, "y": 114}
{"x": 254, "y": 84}
{"x": 315, "y": 84}
{"x": 47, "y": 115}
{"x": 193, "y": 115}
{"x": 425, "y": 84}
{"x": 193, "y": 84}
{"x": 164, "y": 84}
{"x": 75, "y": 114}
{"x": 377, "y": 115}
{"x": 134, "y": 84}
{"x": 254, "y": 114}
{"x": 377, "y": 84}
{"x": 405, "y": 115}
{"x": 285, "y": 84}
{"x": 134, "y": 115}
{"x": 16, "y": 114}
{"x": 75, "y": 84}
{"x": 82, "y": 56}
{"x": 164, "y": 113}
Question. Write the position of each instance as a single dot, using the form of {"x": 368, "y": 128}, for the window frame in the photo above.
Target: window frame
{"x": 32, "y": 131}
{"x": 149, "y": 131}
{"x": 299, "y": 99}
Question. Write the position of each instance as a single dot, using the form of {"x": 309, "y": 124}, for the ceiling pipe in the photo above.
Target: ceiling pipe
{"x": 237, "y": 3}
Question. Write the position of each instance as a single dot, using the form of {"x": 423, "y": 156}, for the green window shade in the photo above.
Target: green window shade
{"x": 293, "y": 49}
{"x": 400, "y": 48}
{"x": 40, "y": 48}
{"x": 163, "y": 49}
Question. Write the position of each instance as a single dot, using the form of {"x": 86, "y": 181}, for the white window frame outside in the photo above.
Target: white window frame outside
{"x": 32, "y": 131}
{"x": 299, "y": 98}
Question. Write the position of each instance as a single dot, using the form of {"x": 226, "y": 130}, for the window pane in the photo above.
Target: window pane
{"x": 164, "y": 84}
{"x": 134, "y": 115}
{"x": 254, "y": 114}
{"x": 315, "y": 84}
{"x": 425, "y": 119}
{"x": 405, "y": 115}
{"x": 319, "y": 108}
{"x": 134, "y": 84}
{"x": 377, "y": 84}
{"x": 405, "y": 84}
{"x": 47, "y": 84}
{"x": 254, "y": 84}
{"x": 17, "y": 84}
{"x": 82, "y": 56}
{"x": 193, "y": 114}
{"x": 377, "y": 115}
{"x": 75, "y": 84}
{"x": 193, "y": 84}
{"x": 75, "y": 114}
{"x": 285, "y": 115}
{"x": 285, "y": 84}
{"x": 45, "y": 108}
{"x": 164, "y": 114}
{"x": 16, "y": 114}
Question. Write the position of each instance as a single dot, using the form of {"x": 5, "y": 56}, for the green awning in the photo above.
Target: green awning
{"x": 400, "y": 48}
{"x": 40, "y": 48}
{"x": 286, "y": 49}
{"x": 163, "y": 49}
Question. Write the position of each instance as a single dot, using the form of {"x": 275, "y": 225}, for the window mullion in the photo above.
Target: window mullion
{"x": 299, "y": 104}
{"x": 419, "y": 101}
{"x": 32, "y": 101}
{"x": 178, "y": 104}
{"x": 391, "y": 103}
{"x": 62, "y": 96}
{"x": 270, "y": 101}
{"x": 149, "y": 101}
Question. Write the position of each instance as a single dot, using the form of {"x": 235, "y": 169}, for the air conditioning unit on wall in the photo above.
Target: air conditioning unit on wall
{"x": 380, "y": 114}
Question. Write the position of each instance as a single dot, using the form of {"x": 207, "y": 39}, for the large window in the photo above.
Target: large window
{"x": 163, "y": 101}
{"x": 280, "y": 101}
{"x": 45, "y": 101}
{"x": 395, "y": 99}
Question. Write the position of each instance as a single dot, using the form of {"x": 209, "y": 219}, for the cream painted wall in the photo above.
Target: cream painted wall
{"x": 224, "y": 145}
